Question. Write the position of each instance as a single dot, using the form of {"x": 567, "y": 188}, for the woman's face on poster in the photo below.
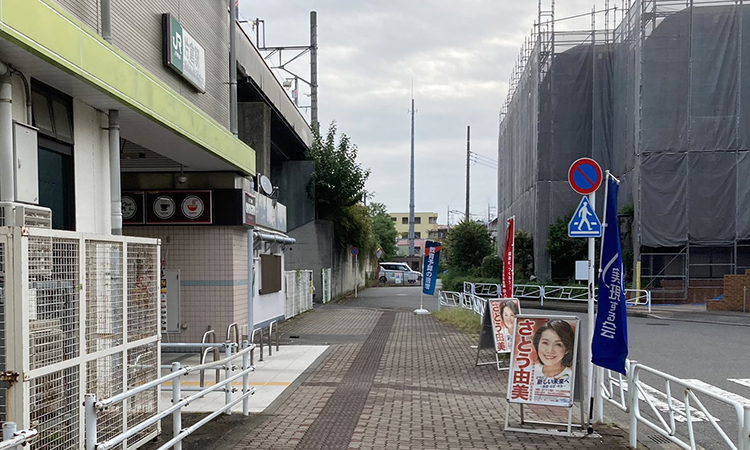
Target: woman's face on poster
{"x": 551, "y": 348}
{"x": 508, "y": 317}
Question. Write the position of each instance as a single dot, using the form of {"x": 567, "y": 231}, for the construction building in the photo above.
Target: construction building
{"x": 654, "y": 91}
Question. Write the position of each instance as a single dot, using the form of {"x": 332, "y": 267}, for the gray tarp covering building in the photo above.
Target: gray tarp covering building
{"x": 666, "y": 108}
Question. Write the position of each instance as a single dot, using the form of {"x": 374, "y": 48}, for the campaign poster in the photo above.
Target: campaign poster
{"x": 543, "y": 360}
{"x": 503, "y": 312}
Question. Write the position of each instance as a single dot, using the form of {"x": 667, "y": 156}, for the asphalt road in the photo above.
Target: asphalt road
{"x": 711, "y": 353}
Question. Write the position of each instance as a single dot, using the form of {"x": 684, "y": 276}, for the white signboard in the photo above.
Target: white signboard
{"x": 582, "y": 270}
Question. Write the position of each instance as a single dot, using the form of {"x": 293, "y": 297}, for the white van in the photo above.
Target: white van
{"x": 398, "y": 273}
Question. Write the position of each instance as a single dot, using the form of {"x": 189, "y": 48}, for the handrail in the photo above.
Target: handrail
{"x": 13, "y": 438}
{"x": 92, "y": 406}
{"x": 212, "y": 335}
{"x": 689, "y": 390}
{"x": 233, "y": 327}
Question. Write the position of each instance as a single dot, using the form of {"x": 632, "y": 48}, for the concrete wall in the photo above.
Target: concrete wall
{"x": 91, "y": 161}
{"x": 137, "y": 30}
{"x": 346, "y": 273}
{"x": 313, "y": 250}
{"x": 292, "y": 177}
{"x": 254, "y": 129}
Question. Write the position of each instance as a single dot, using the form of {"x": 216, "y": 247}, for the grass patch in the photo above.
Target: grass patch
{"x": 463, "y": 319}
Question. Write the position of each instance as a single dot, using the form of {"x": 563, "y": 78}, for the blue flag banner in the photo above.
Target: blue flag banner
{"x": 430, "y": 266}
{"x": 609, "y": 347}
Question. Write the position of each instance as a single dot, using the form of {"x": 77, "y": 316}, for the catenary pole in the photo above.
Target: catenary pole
{"x": 468, "y": 169}
{"x": 411, "y": 184}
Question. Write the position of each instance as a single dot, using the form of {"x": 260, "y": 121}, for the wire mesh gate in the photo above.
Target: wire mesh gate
{"x": 298, "y": 292}
{"x": 80, "y": 315}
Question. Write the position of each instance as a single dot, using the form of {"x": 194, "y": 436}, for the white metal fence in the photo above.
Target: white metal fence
{"x": 96, "y": 408}
{"x": 299, "y": 287}
{"x": 81, "y": 315}
{"x": 673, "y": 407}
{"x": 561, "y": 293}
{"x": 325, "y": 277}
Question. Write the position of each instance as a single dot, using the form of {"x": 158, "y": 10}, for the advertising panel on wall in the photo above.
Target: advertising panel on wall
{"x": 543, "y": 360}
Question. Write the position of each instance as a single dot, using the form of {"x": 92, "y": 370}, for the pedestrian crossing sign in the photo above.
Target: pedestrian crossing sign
{"x": 584, "y": 222}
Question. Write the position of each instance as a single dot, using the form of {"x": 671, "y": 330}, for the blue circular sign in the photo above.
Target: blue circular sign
{"x": 585, "y": 176}
{"x": 355, "y": 250}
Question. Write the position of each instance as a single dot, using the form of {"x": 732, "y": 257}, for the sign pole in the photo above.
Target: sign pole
{"x": 356, "y": 275}
{"x": 592, "y": 280}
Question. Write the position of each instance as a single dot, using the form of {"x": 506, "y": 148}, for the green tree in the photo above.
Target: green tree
{"x": 492, "y": 266}
{"x": 338, "y": 181}
{"x": 564, "y": 250}
{"x": 524, "y": 254}
{"x": 383, "y": 230}
{"x": 468, "y": 243}
{"x": 337, "y": 186}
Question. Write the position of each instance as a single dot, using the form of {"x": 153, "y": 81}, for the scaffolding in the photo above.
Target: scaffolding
{"x": 659, "y": 100}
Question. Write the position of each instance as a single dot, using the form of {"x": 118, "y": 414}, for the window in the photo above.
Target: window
{"x": 393, "y": 219}
{"x": 53, "y": 115}
{"x": 433, "y": 220}
{"x": 404, "y": 220}
{"x": 417, "y": 220}
{"x": 417, "y": 235}
{"x": 405, "y": 235}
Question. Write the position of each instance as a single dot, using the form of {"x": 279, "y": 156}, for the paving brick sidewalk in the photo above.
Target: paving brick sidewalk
{"x": 394, "y": 380}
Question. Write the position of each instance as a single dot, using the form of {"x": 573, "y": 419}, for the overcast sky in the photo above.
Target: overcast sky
{"x": 459, "y": 55}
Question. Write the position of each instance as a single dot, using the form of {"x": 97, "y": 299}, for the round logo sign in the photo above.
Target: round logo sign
{"x": 164, "y": 207}
{"x": 129, "y": 208}
{"x": 585, "y": 176}
{"x": 192, "y": 207}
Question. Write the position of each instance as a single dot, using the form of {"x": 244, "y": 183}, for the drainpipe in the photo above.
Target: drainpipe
{"x": 106, "y": 18}
{"x": 232, "y": 68}
{"x": 27, "y": 89}
{"x": 250, "y": 281}
{"x": 7, "y": 186}
{"x": 114, "y": 171}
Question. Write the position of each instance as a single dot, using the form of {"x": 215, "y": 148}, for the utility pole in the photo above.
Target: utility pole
{"x": 314, "y": 70}
{"x": 468, "y": 162}
{"x": 411, "y": 182}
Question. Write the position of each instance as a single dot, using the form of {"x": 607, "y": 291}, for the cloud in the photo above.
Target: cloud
{"x": 456, "y": 56}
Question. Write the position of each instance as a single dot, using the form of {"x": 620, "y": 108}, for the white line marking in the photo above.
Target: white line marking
{"x": 720, "y": 392}
{"x": 743, "y": 381}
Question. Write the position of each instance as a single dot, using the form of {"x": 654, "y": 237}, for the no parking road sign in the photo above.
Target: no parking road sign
{"x": 585, "y": 176}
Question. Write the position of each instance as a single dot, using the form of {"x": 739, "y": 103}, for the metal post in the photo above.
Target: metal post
{"x": 260, "y": 330}
{"x": 745, "y": 433}
{"x": 270, "y": 338}
{"x": 114, "y": 172}
{"x": 233, "y": 68}
{"x": 633, "y": 404}
{"x": 106, "y": 18}
{"x": 313, "y": 70}
{"x": 356, "y": 274}
{"x": 176, "y": 397}
{"x": 7, "y": 161}
{"x": 592, "y": 279}
{"x": 9, "y": 430}
{"x": 541, "y": 295}
{"x": 468, "y": 170}
{"x": 245, "y": 379}
{"x": 648, "y": 299}
{"x": 411, "y": 180}
{"x": 90, "y": 413}
{"x": 227, "y": 374}
{"x": 744, "y": 299}
{"x": 598, "y": 397}
{"x": 250, "y": 283}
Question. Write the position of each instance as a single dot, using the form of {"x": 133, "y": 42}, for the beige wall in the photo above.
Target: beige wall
{"x": 424, "y": 227}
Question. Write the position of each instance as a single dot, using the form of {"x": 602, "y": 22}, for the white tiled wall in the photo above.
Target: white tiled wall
{"x": 213, "y": 274}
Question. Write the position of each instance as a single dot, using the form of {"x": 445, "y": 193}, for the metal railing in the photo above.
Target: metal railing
{"x": 93, "y": 406}
{"x": 13, "y": 438}
{"x": 560, "y": 293}
{"x": 682, "y": 398}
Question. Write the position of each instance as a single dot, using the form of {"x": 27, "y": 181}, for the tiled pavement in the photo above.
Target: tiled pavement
{"x": 394, "y": 380}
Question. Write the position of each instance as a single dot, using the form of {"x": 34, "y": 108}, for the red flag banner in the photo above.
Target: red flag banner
{"x": 508, "y": 260}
